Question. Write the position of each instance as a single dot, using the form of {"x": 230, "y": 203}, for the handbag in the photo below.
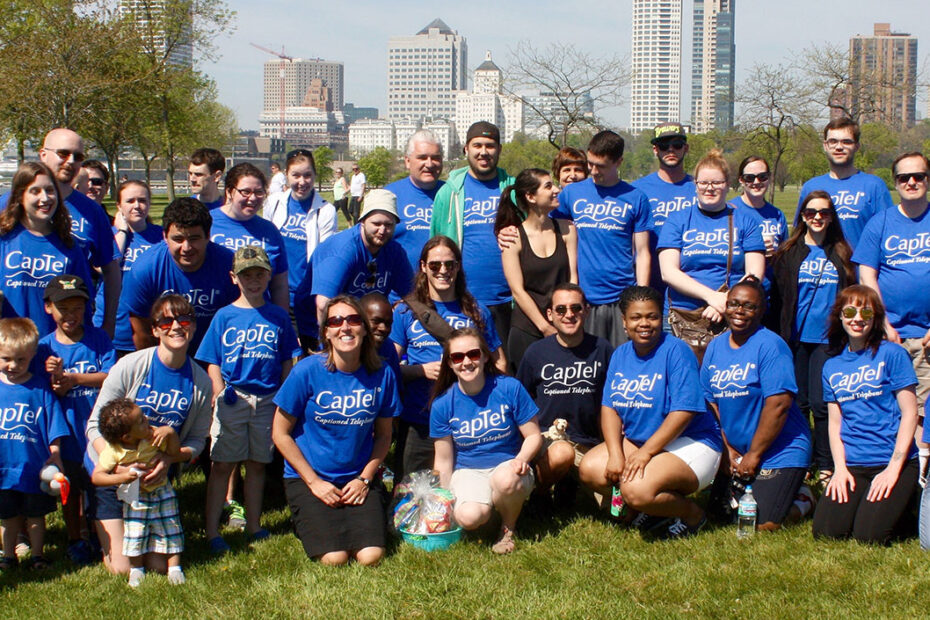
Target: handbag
{"x": 689, "y": 325}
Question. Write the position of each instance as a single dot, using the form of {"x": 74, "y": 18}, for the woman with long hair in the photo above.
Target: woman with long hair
{"x": 544, "y": 254}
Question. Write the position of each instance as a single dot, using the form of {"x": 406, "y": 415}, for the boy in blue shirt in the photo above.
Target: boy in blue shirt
{"x": 249, "y": 348}
{"x": 77, "y": 359}
{"x": 31, "y": 428}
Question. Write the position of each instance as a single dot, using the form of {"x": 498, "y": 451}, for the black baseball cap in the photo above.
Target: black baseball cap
{"x": 65, "y": 286}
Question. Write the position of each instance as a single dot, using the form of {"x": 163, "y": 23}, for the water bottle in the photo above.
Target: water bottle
{"x": 617, "y": 505}
{"x": 746, "y": 517}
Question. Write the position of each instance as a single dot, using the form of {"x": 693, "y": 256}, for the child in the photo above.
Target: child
{"x": 249, "y": 346}
{"x": 31, "y": 428}
{"x": 151, "y": 523}
{"x": 77, "y": 360}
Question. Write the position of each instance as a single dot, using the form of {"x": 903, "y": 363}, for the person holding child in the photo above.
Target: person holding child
{"x": 250, "y": 348}
{"x": 32, "y": 427}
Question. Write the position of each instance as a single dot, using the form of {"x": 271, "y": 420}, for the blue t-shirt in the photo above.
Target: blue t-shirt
{"x": 165, "y": 395}
{"x": 250, "y": 345}
{"x": 138, "y": 243}
{"x": 898, "y": 247}
{"x": 644, "y": 390}
{"x": 485, "y": 428}
{"x": 335, "y": 415}
{"x": 864, "y": 386}
{"x": 664, "y": 198}
{"x": 606, "y": 218}
{"x": 216, "y": 204}
{"x": 29, "y": 262}
{"x": 388, "y": 354}
{"x": 702, "y": 238}
{"x": 30, "y": 420}
{"x": 415, "y": 206}
{"x": 235, "y": 234}
{"x": 422, "y": 348}
{"x": 857, "y": 199}
{"x": 341, "y": 265}
{"x": 94, "y": 353}
{"x": 773, "y": 223}
{"x": 294, "y": 235}
{"x": 481, "y": 257}
{"x": 818, "y": 282}
{"x": 155, "y": 274}
{"x": 739, "y": 380}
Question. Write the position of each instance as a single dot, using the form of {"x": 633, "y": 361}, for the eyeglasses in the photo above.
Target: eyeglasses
{"x": 905, "y": 177}
{"x": 296, "y": 152}
{"x": 436, "y": 265}
{"x": 845, "y": 142}
{"x": 748, "y": 306}
{"x": 762, "y": 177}
{"x": 674, "y": 144}
{"x": 561, "y": 309}
{"x": 850, "y": 312}
{"x": 809, "y": 214}
{"x": 372, "y": 267}
{"x": 247, "y": 193}
{"x": 711, "y": 184}
{"x": 167, "y": 322}
{"x": 354, "y": 320}
{"x": 96, "y": 182}
{"x": 458, "y": 357}
{"x": 65, "y": 154}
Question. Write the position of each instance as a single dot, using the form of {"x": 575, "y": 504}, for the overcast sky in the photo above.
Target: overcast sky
{"x": 357, "y": 35}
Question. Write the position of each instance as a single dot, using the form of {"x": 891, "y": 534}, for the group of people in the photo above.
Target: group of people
{"x": 666, "y": 341}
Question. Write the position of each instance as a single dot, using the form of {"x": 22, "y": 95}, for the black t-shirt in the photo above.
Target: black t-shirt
{"x": 567, "y": 383}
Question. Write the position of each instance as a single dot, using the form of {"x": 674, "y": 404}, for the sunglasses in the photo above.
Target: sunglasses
{"x": 96, "y": 182}
{"x": 809, "y": 214}
{"x": 372, "y": 268}
{"x": 166, "y": 322}
{"x": 436, "y": 265}
{"x": 761, "y": 177}
{"x": 65, "y": 154}
{"x": 458, "y": 357}
{"x": 296, "y": 152}
{"x": 905, "y": 177}
{"x": 354, "y": 320}
{"x": 850, "y": 312}
{"x": 674, "y": 144}
{"x": 561, "y": 309}
{"x": 748, "y": 306}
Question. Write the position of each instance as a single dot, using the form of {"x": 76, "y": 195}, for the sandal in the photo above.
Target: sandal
{"x": 505, "y": 544}
{"x": 38, "y": 563}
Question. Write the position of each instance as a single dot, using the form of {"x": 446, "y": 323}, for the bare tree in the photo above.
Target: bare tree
{"x": 573, "y": 85}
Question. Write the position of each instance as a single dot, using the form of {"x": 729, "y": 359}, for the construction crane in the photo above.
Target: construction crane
{"x": 281, "y": 72}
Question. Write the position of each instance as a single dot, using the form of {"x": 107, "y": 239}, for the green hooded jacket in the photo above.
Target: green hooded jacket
{"x": 448, "y": 206}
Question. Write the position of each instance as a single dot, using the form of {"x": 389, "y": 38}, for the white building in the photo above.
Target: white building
{"x": 424, "y": 71}
{"x": 297, "y": 76}
{"x": 148, "y": 18}
{"x": 299, "y": 121}
{"x": 656, "y": 87}
{"x": 487, "y": 102}
{"x": 367, "y": 134}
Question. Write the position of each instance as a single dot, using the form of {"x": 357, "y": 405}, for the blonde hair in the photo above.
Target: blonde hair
{"x": 18, "y": 334}
{"x": 714, "y": 159}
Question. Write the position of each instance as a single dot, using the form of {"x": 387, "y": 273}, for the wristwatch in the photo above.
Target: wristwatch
{"x": 367, "y": 481}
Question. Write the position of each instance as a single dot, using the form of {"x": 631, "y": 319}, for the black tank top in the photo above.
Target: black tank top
{"x": 540, "y": 275}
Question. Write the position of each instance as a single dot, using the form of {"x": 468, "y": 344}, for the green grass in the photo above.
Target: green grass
{"x": 568, "y": 566}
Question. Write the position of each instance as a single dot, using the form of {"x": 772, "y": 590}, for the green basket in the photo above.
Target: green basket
{"x": 433, "y": 542}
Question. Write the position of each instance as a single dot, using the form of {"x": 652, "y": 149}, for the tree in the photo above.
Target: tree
{"x": 377, "y": 166}
{"x": 523, "y": 152}
{"x": 323, "y": 157}
{"x": 575, "y": 84}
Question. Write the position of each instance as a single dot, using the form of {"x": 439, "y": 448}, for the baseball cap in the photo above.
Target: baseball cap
{"x": 250, "y": 256}
{"x": 483, "y": 129}
{"x": 667, "y": 131}
{"x": 379, "y": 200}
{"x": 65, "y": 286}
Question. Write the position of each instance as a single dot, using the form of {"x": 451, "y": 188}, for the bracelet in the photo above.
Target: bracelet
{"x": 367, "y": 481}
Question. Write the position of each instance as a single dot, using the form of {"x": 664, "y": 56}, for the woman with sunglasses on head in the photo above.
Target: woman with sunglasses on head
{"x": 172, "y": 392}
{"x": 333, "y": 428}
{"x": 810, "y": 269}
{"x": 544, "y": 254}
{"x": 304, "y": 220}
{"x": 869, "y": 387}
{"x": 237, "y": 225}
{"x": 439, "y": 294}
{"x": 749, "y": 384}
{"x": 660, "y": 442}
{"x": 486, "y": 433}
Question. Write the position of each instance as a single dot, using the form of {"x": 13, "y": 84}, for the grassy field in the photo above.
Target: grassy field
{"x": 566, "y": 566}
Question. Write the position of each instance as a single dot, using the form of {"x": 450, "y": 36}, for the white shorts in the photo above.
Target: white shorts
{"x": 474, "y": 485}
{"x": 701, "y": 458}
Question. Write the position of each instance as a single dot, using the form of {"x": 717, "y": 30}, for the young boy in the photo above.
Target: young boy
{"x": 77, "y": 359}
{"x": 151, "y": 523}
{"x": 32, "y": 426}
{"x": 250, "y": 347}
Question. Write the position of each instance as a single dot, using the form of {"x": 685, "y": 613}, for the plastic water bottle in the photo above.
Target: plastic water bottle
{"x": 746, "y": 516}
{"x": 617, "y": 505}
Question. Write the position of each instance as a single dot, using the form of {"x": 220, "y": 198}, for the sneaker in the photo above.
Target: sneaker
{"x": 218, "y": 546}
{"x": 80, "y": 553}
{"x": 805, "y": 501}
{"x": 176, "y": 576}
{"x": 236, "y": 515}
{"x": 23, "y": 549}
{"x": 680, "y": 529}
{"x": 646, "y": 523}
{"x": 136, "y": 577}
{"x": 261, "y": 534}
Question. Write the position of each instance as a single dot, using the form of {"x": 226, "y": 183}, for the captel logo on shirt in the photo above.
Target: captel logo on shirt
{"x": 908, "y": 246}
{"x": 661, "y": 209}
{"x": 813, "y": 267}
{"x": 845, "y": 203}
{"x": 484, "y": 422}
{"x": 295, "y": 221}
{"x": 864, "y": 376}
{"x": 361, "y": 281}
{"x": 262, "y": 335}
{"x": 733, "y": 376}
{"x": 347, "y": 405}
{"x": 770, "y": 227}
{"x": 171, "y": 402}
{"x": 234, "y": 243}
{"x": 83, "y": 367}
{"x": 132, "y": 254}
{"x": 202, "y": 299}
{"x": 711, "y": 239}
{"x": 454, "y": 321}
{"x": 37, "y": 267}
{"x": 607, "y": 211}
{"x": 77, "y": 226}
{"x": 19, "y": 418}
{"x": 634, "y": 389}
{"x": 481, "y": 209}
{"x": 573, "y": 374}
{"x": 413, "y": 213}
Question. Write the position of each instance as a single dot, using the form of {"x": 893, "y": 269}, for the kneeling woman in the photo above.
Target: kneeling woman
{"x": 872, "y": 412}
{"x": 660, "y": 442}
{"x": 748, "y": 380}
{"x": 486, "y": 436}
{"x": 333, "y": 428}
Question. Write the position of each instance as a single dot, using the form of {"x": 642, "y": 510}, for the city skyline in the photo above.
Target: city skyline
{"x": 361, "y": 42}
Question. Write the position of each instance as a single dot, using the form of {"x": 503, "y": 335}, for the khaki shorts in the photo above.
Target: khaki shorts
{"x": 580, "y": 450}
{"x": 474, "y": 485}
{"x": 242, "y": 431}
{"x": 921, "y": 361}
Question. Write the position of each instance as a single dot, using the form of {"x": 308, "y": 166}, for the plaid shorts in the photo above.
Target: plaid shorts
{"x": 152, "y": 524}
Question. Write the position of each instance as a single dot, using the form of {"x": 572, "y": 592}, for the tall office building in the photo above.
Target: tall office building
{"x": 883, "y": 77}
{"x": 424, "y": 71}
{"x": 151, "y": 23}
{"x": 299, "y": 74}
{"x": 487, "y": 102}
{"x": 713, "y": 65}
{"x": 656, "y": 89}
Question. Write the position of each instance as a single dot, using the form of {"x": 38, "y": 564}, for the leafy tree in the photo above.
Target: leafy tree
{"x": 524, "y": 152}
{"x": 377, "y": 166}
{"x": 323, "y": 157}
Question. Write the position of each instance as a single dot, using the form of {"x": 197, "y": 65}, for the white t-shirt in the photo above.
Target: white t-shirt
{"x": 357, "y": 183}
{"x": 278, "y": 183}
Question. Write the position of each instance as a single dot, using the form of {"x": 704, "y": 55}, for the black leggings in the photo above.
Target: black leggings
{"x": 871, "y": 522}
{"x": 809, "y": 359}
